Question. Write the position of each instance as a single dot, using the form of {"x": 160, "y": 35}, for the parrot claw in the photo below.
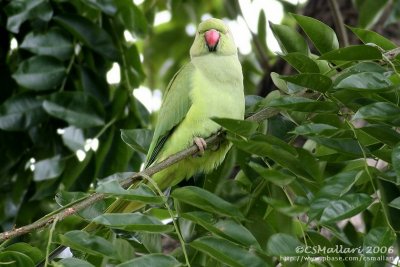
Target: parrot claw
{"x": 201, "y": 144}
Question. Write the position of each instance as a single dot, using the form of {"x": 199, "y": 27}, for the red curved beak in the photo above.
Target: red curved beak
{"x": 212, "y": 37}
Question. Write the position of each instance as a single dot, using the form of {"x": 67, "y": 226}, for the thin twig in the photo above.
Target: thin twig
{"x": 338, "y": 21}
{"x": 95, "y": 197}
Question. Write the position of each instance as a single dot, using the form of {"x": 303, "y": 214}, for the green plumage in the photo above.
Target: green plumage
{"x": 210, "y": 85}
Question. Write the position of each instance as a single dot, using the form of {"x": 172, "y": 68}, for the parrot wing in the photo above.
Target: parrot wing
{"x": 176, "y": 104}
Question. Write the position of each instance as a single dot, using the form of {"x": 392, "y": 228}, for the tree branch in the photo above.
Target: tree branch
{"x": 95, "y": 197}
{"x": 338, "y": 21}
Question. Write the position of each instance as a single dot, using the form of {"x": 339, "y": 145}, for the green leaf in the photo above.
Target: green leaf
{"x": 32, "y": 252}
{"x": 378, "y": 242}
{"x": 345, "y": 207}
{"x": 224, "y": 228}
{"x": 303, "y": 104}
{"x": 153, "y": 260}
{"x": 20, "y": 11}
{"x": 320, "y": 34}
{"x": 262, "y": 31}
{"x": 395, "y": 203}
{"x": 133, "y": 222}
{"x": 74, "y": 262}
{"x": 370, "y": 12}
{"x": 283, "y": 245}
{"x": 77, "y": 108}
{"x": 396, "y": 159}
{"x": 315, "y": 129}
{"x": 53, "y": 43}
{"x": 90, "y": 34}
{"x": 289, "y": 39}
{"x": 91, "y": 244}
{"x": 15, "y": 259}
{"x": 345, "y": 145}
{"x": 273, "y": 148}
{"x": 239, "y": 127}
{"x": 367, "y": 36}
{"x": 285, "y": 208}
{"x": 125, "y": 251}
{"x": 64, "y": 198}
{"x": 48, "y": 169}
{"x": 21, "y": 112}
{"x": 382, "y": 133}
{"x": 366, "y": 82}
{"x": 314, "y": 81}
{"x": 73, "y": 138}
{"x": 106, "y": 6}
{"x": 40, "y": 73}
{"x": 339, "y": 184}
{"x": 227, "y": 252}
{"x": 132, "y": 18}
{"x": 379, "y": 112}
{"x": 95, "y": 84}
{"x": 143, "y": 193}
{"x": 138, "y": 139}
{"x": 205, "y": 200}
{"x": 135, "y": 66}
{"x": 302, "y": 63}
{"x": 279, "y": 178}
{"x": 353, "y": 53}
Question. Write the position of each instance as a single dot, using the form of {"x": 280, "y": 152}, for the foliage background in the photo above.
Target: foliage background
{"x": 324, "y": 171}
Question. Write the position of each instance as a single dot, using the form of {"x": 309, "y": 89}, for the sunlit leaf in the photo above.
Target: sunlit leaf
{"x": 322, "y": 36}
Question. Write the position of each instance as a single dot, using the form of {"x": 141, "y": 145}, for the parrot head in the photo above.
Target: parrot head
{"x": 213, "y": 36}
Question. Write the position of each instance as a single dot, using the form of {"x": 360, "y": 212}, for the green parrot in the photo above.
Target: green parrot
{"x": 210, "y": 85}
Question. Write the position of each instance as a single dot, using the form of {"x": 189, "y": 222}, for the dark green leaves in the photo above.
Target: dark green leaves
{"x": 153, "y": 260}
{"x": 21, "y": 112}
{"x": 352, "y": 53}
{"x": 370, "y": 11}
{"x": 52, "y": 43}
{"x": 366, "y": 82}
{"x": 345, "y": 207}
{"x": 227, "y": 252}
{"x": 137, "y": 139}
{"x": 205, "y": 200}
{"x": 303, "y": 104}
{"x": 301, "y": 62}
{"x": 380, "y": 112}
{"x": 20, "y": 11}
{"x": 367, "y": 36}
{"x": 143, "y": 193}
{"x": 90, "y": 34}
{"x": 40, "y": 73}
{"x": 48, "y": 168}
{"x": 283, "y": 245}
{"x": 76, "y": 108}
{"x": 289, "y": 39}
{"x": 313, "y": 81}
{"x": 322, "y": 36}
{"x": 239, "y": 127}
{"x": 94, "y": 245}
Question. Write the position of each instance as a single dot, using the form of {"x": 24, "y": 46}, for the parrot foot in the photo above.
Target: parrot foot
{"x": 201, "y": 144}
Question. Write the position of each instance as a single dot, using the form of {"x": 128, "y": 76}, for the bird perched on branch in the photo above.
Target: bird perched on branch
{"x": 210, "y": 85}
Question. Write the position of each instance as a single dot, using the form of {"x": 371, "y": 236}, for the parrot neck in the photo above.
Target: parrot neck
{"x": 221, "y": 68}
